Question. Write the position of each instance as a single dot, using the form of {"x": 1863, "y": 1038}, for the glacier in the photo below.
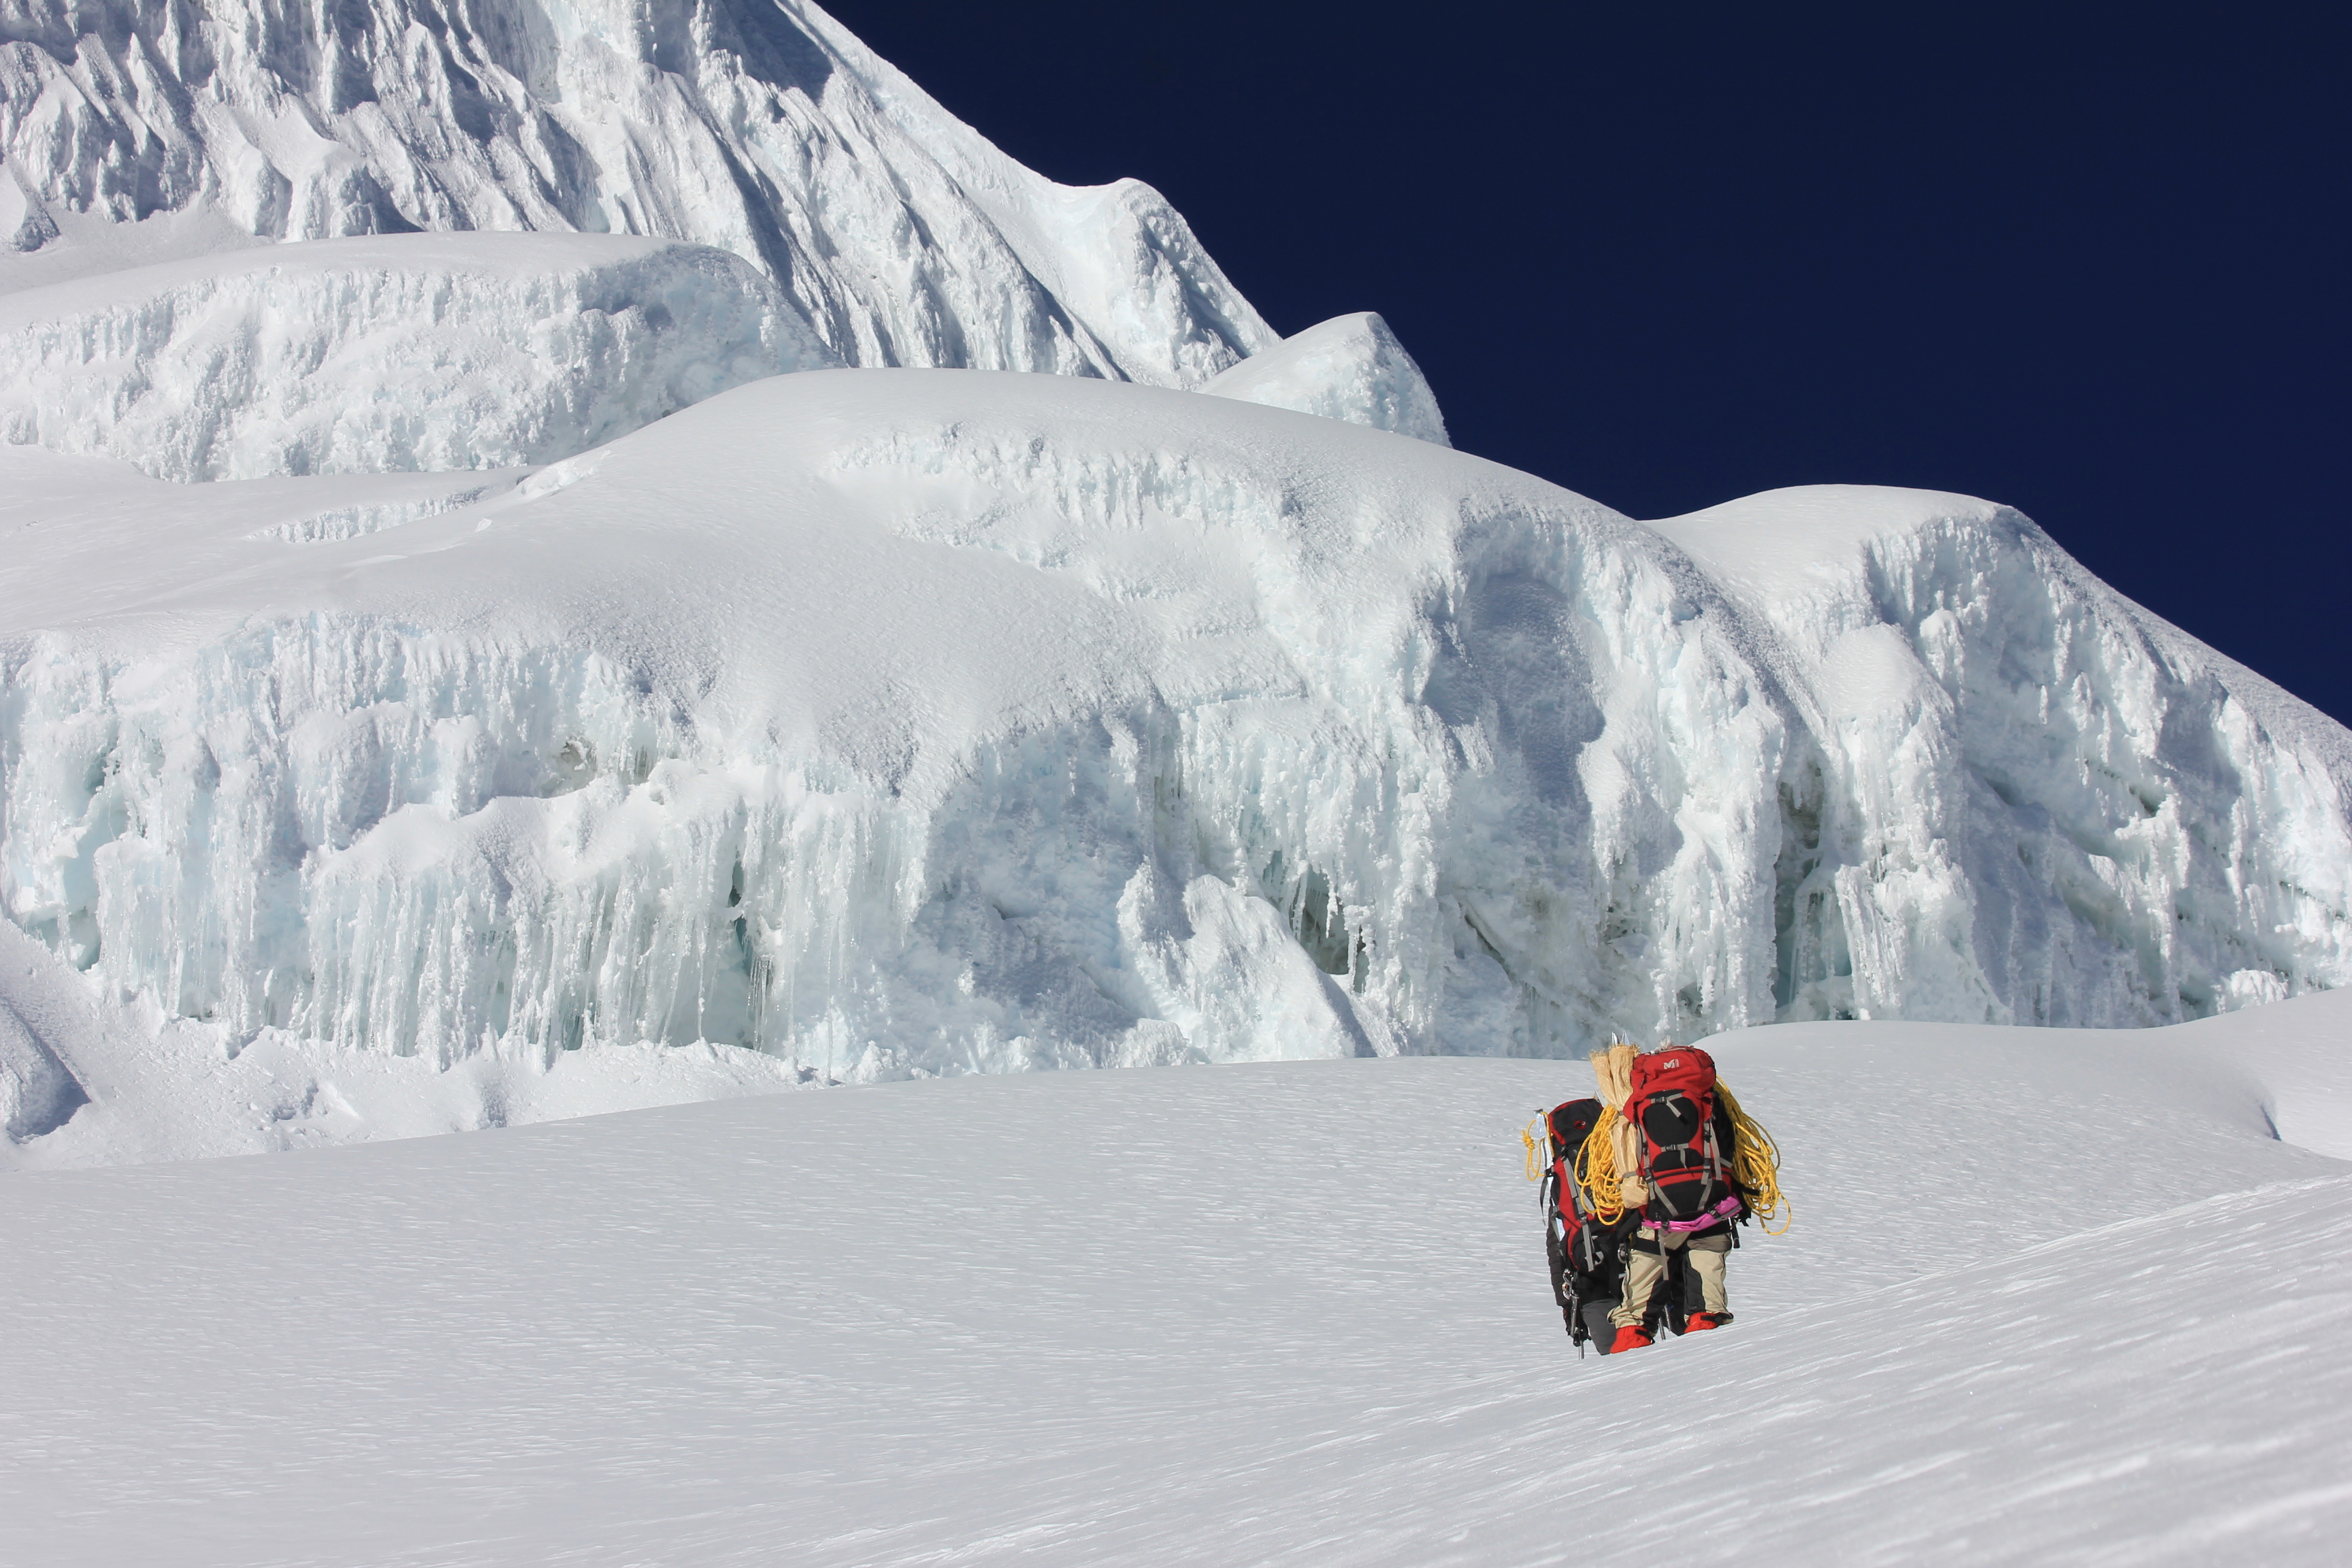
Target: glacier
{"x": 567, "y": 559}
{"x": 909, "y": 722}
{"x": 433, "y": 352}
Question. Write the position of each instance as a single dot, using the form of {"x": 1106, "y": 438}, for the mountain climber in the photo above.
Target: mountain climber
{"x": 1682, "y": 1156}
{"x": 1677, "y": 1134}
{"x": 1645, "y": 1186}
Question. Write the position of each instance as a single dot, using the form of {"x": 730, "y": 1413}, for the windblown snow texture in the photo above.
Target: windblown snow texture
{"x": 895, "y": 722}
{"x": 143, "y": 129}
{"x": 1292, "y": 1313}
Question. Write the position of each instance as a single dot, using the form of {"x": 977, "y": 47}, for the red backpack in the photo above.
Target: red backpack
{"x": 1684, "y": 1158}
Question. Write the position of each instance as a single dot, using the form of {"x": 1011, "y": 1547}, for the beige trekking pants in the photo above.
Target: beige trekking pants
{"x": 1644, "y": 1269}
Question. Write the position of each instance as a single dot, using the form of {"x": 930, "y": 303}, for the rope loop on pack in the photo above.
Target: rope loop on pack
{"x": 1536, "y": 1162}
{"x": 1756, "y": 1166}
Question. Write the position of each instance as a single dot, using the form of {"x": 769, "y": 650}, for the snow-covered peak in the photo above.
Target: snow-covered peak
{"x": 134, "y": 132}
{"x": 152, "y": 157}
{"x": 1349, "y": 367}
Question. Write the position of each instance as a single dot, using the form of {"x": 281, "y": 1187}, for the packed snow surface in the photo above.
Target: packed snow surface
{"x": 137, "y": 131}
{"x": 928, "y": 722}
{"x": 2050, "y": 1296}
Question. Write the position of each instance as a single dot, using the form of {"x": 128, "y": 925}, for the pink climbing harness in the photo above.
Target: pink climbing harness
{"x": 1716, "y": 1215}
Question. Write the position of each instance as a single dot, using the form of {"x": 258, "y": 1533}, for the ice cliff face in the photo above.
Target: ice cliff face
{"x": 2018, "y": 795}
{"x": 142, "y": 130}
{"x": 948, "y": 721}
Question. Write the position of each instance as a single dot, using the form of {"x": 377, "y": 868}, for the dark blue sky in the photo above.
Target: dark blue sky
{"x": 2089, "y": 261}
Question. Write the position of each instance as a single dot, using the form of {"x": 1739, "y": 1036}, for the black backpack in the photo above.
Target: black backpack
{"x": 1586, "y": 1258}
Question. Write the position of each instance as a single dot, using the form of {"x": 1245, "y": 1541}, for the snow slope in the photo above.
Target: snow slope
{"x": 134, "y": 131}
{"x": 898, "y": 722}
{"x": 2078, "y": 1310}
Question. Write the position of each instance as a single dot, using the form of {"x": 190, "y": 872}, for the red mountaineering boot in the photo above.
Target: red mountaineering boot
{"x": 1705, "y": 1320}
{"x": 1631, "y": 1337}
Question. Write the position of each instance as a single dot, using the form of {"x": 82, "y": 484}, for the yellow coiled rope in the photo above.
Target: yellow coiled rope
{"x": 1535, "y": 1161}
{"x": 1755, "y": 1165}
{"x": 1596, "y": 1169}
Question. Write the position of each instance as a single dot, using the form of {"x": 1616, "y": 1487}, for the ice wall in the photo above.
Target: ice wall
{"x": 396, "y": 352}
{"x": 1349, "y": 367}
{"x": 948, "y": 722}
{"x": 2020, "y": 797}
{"x": 141, "y": 128}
